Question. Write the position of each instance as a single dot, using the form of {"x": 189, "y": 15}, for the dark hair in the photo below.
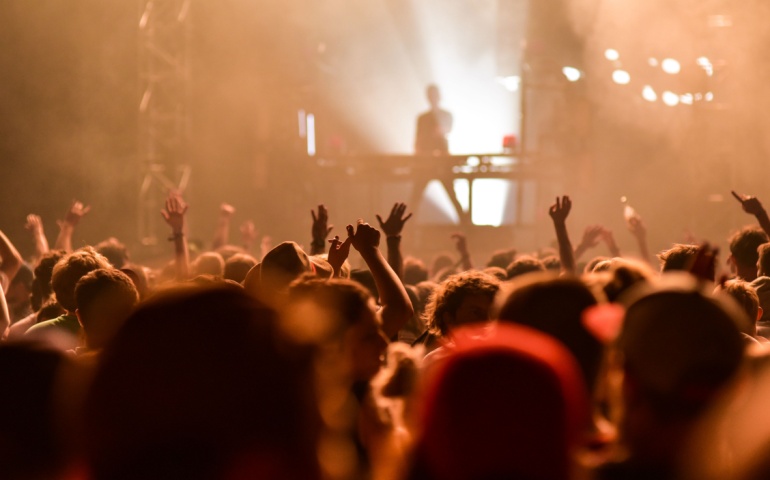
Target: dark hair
{"x": 678, "y": 257}
{"x": 747, "y": 298}
{"x": 744, "y": 244}
{"x": 764, "y": 259}
{"x": 450, "y": 294}
{"x": 524, "y": 264}
{"x": 238, "y": 265}
{"x": 502, "y": 258}
{"x": 415, "y": 271}
{"x": 41, "y": 285}
{"x": 72, "y": 268}
{"x": 114, "y": 251}
{"x": 102, "y": 286}
{"x": 195, "y": 380}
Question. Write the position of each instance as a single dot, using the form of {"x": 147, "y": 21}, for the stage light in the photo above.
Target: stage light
{"x": 621, "y": 77}
{"x": 671, "y": 66}
{"x": 611, "y": 54}
{"x": 436, "y": 207}
{"x": 310, "y": 134}
{"x": 649, "y": 94}
{"x": 670, "y": 98}
{"x": 706, "y": 64}
{"x": 490, "y": 197}
{"x": 698, "y": 97}
{"x": 709, "y": 96}
{"x": 653, "y": 62}
{"x": 572, "y": 73}
{"x": 686, "y": 99}
{"x": 510, "y": 83}
{"x": 473, "y": 161}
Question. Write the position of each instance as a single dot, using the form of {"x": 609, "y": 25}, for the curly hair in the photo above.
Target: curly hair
{"x": 450, "y": 294}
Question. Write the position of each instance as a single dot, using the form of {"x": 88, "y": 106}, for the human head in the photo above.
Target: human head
{"x": 743, "y": 251}
{"x": 679, "y": 346}
{"x": 20, "y": 288}
{"x": 508, "y": 402}
{"x": 209, "y": 263}
{"x": 524, "y": 264}
{"x": 104, "y": 298}
{"x": 433, "y": 94}
{"x": 41, "y": 285}
{"x": 199, "y": 383}
{"x": 415, "y": 271}
{"x": 114, "y": 251}
{"x": 71, "y": 268}
{"x": 322, "y": 310}
{"x": 502, "y": 258}
{"x": 679, "y": 257}
{"x": 746, "y": 297}
{"x": 462, "y": 298}
{"x": 555, "y": 306}
{"x": 237, "y": 266}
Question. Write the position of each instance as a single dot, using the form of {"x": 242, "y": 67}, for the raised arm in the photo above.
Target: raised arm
{"x": 461, "y": 245}
{"x": 67, "y": 226}
{"x": 590, "y": 239}
{"x": 248, "y": 235}
{"x": 174, "y": 217}
{"x": 753, "y": 206}
{"x": 319, "y": 230}
{"x": 396, "y": 307}
{"x": 338, "y": 253}
{"x": 392, "y": 228}
{"x": 11, "y": 262}
{"x": 609, "y": 239}
{"x": 222, "y": 232}
{"x": 5, "y": 318}
{"x": 559, "y": 212}
{"x": 639, "y": 231}
{"x": 35, "y": 226}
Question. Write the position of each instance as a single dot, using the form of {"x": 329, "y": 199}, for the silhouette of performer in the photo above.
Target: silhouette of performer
{"x": 433, "y": 127}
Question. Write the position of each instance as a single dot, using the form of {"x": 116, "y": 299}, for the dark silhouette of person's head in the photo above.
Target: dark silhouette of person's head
{"x": 747, "y": 298}
{"x": 743, "y": 251}
{"x": 433, "y": 94}
{"x": 69, "y": 270}
{"x": 763, "y": 262}
{"x": 679, "y": 348}
{"x": 523, "y": 265}
{"x": 209, "y": 263}
{"x": 238, "y": 266}
{"x": 114, "y": 251}
{"x": 415, "y": 271}
{"x": 555, "y": 306}
{"x": 200, "y": 383}
{"x": 508, "y": 403}
{"x": 104, "y": 298}
{"x": 461, "y": 299}
{"x": 502, "y": 258}
{"x": 680, "y": 257}
{"x": 34, "y": 384}
{"x": 41, "y": 285}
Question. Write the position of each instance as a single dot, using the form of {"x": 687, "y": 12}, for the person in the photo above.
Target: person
{"x": 433, "y": 126}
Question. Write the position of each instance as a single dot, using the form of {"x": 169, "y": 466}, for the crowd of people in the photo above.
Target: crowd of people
{"x": 288, "y": 363}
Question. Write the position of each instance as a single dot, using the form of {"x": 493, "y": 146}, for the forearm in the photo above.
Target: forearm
{"x": 644, "y": 249}
{"x": 566, "y": 255}
{"x": 10, "y": 256}
{"x": 41, "y": 243}
{"x": 579, "y": 251}
{"x": 64, "y": 240}
{"x": 395, "y": 258}
{"x": 764, "y": 221}
{"x": 396, "y": 307}
{"x": 181, "y": 257}
{"x": 221, "y": 233}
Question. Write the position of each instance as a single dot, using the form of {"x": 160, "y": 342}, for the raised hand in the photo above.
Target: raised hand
{"x": 74, "y": 214}
{"x": 364, "y": 237}
{"x": 559, "y": 211}
{"x": 35, "y": 226}
{"x": 591, "y": 236}
{"x": 396, "y": 220}
{"x": 636, "y": 227}
{"x": 461, "y": 245}
{"x": 34, "y": 223}
{"x": 320, "y": 229}
{"x": 338, "y": 253}
{"x": 174, "y": 213}
{"x": 226, "y": 210}
{"x": 248, "y": 234}
{"x": 750, "y": 204}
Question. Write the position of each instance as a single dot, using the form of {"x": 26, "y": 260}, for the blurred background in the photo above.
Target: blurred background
{"x": 277, "y": 106}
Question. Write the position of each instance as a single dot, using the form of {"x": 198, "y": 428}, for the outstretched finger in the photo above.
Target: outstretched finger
{"x": 312, "y": 213}
{"x": 407, "y": 218}
{"x": 737, "y": 196}
{"x": 379, "y": 219}
{"x": 350, "y": 230}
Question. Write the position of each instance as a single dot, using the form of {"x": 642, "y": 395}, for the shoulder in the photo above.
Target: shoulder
{"x": 67, "y": 322}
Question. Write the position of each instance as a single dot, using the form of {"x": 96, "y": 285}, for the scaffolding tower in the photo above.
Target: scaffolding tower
{"x": 164, "y": 117}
